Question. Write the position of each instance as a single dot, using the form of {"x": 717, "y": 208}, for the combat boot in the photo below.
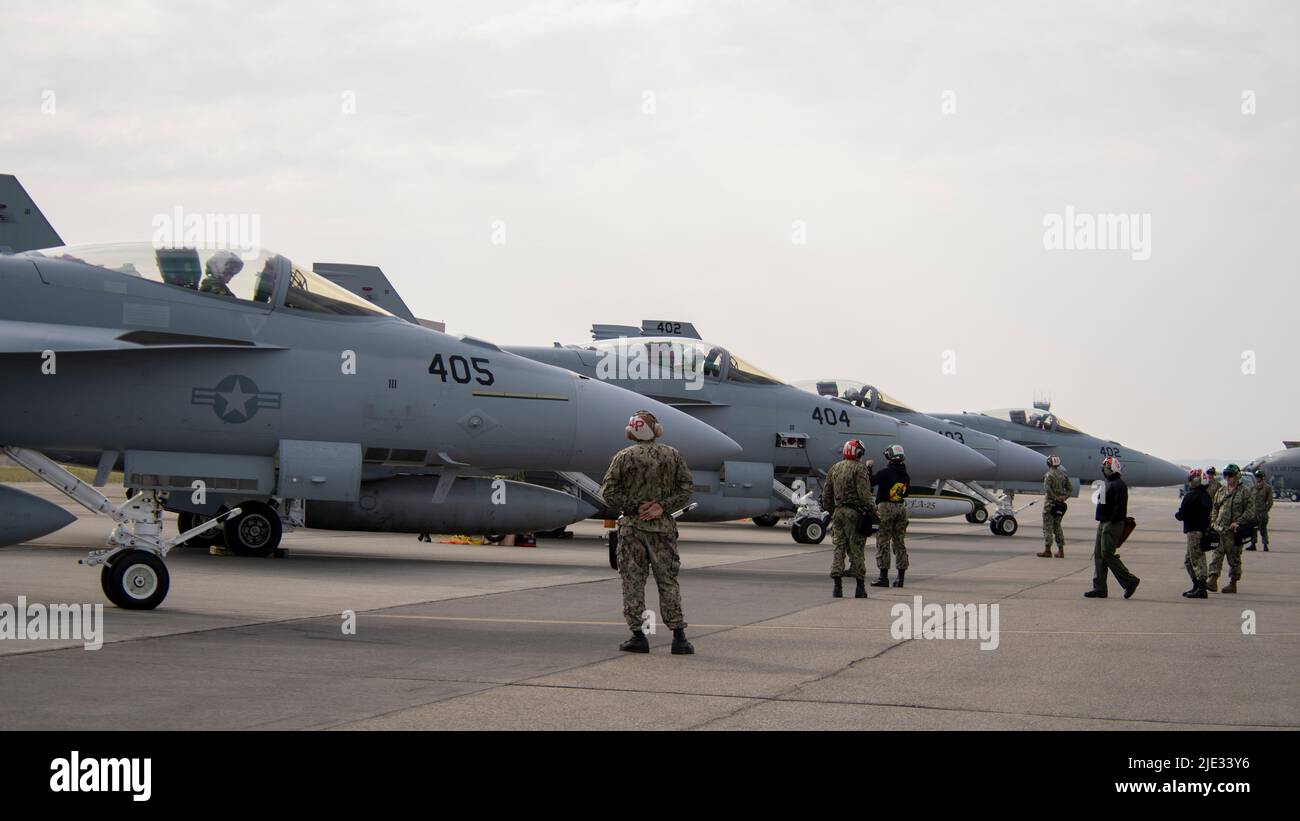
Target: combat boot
{"x": 1047, "y": 552}
{"x": 1060, "y": 552}
{"x": 1230, "y": 587}
{"x": 681, "y": 647}
{"x": 899, "y": 581}
{"x": 861, "y": 592}
{"x": 837, "y": 592}
{"x": 1197, "y": 591}
{"x": 637, "y": 644}
{"x": 1212, "y": 584}
{"x": 1196, "y": 583}
{"x": 883, "y": 581}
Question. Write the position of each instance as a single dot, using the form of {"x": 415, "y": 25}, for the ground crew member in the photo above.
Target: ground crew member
{"x": 1263, "y": 504}
{"x": 1112, "y": 510}
{"x": 847, "y": 494}
{"x": 891, "y": 500}
{"x": 646, "y": 482}
{"x": 1214, "y": 485}
{"x": 1235, "y": 513}
{"x": 1194, "y": 513}
{"x": 1056, "y": 488}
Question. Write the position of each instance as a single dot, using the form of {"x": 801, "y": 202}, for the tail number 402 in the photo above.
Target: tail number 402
{"x": 458, "y": 367}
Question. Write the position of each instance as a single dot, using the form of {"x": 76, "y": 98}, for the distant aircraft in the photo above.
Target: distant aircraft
{"x": 1013, "y": 463}
{"x": 790, "y": 437}
{"x": 1081, "y": 454}
{"x": 1282, "y": 468}
{"x": 246, "y": 393}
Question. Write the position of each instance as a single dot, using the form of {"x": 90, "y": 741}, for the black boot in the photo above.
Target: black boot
{"x": 1198, "y": 592}
{"x": 861, "y": 592}
{"x": 682, "y": 647}
{"x": 883, "y": 581}
{"x": 637, "y": 644}
{"x": 1196, "y": 584}
{"x": 837, "y": 592}
{"x": 899, "y": 581}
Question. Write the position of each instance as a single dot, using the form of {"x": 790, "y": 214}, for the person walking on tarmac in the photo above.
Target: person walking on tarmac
{"x": 1112, "y": 511}
{"x": 891, "y": 499}
{"x": 1194, "y": 513}
{"x": 645, "y": 482}
{"x": 846, "y": 493}
{"x": 1056, "y": 489}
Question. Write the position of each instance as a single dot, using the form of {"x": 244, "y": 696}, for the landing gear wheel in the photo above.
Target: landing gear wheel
{"x": 978, "y": 516}
{"x": 1004, "y": 525}
{"x": 136, "y": 580}
{"x": 1295, "y": 496}
{"x": 256, "y": 531}
{"x": 766, "y": 520}
{"x": 612, "y": 539}
{"x": 809, "y": 530}
{"x": 186, "y": 520}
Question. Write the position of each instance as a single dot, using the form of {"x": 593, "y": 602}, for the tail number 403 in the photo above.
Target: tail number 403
{"x": 458, "y": 367}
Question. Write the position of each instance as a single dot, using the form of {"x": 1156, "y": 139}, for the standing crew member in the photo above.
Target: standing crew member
{"x": 1234, "y": 513}
{"x": 891, "y": 499}
{"x": 1056, "y": 489}
{"x": 1112, "y": 510}
{"x": 1263, "y": 504}
{"x": 1214, "y": 485}
{"x": 1194, "y": 513}
{"x": 847, "y": 494}
{"x": 646, "y": 481}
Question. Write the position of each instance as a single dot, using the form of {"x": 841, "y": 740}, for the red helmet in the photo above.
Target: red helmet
{"x": 853, "y": 449}
{"x": 1194, "y": 476}
{"x": 1112, "y": 463}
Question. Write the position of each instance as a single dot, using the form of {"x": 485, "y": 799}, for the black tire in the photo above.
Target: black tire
{"x": 766, "y": 520}
{"x": 186, "y": 520}
{"x": 1295, "y": 496}
{"x": 612, "y": 540}
{"x": 256, "y": 531}
{"x": 978, "y": 516}
{"x": 1004, "y": 525}
{"x": 810, "y": 530}
{"x": 136, "y": 580}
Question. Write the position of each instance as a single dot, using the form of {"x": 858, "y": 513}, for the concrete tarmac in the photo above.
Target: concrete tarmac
{"x": 482, "y": 637}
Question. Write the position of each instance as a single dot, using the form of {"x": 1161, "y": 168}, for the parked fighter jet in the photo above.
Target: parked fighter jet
{"x": 252, "y": 390}
{"x": 1283, "y": 470}
{"x": 1081, "y": 454}
{"x": 1014, "y": 463}
{"x": 788, "y": 435}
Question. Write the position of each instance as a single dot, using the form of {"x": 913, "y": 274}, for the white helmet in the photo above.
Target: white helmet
{"x": 1053, "y": 461}
{"x": 643, "y": 427}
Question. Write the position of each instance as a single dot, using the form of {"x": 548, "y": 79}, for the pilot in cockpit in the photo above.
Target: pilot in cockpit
{"x": 220, "y": 268}
{"x": 266, "y": 278}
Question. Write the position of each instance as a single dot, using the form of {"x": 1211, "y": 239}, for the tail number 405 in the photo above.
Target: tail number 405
{"x": 458, "y": 367}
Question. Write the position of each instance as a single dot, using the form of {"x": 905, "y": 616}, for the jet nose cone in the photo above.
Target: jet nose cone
{"x": 932, "y": 455}
{"x": 602, "y": 414}
{"x": 1163, "y": 474}
{"x": 1017, "y": 463}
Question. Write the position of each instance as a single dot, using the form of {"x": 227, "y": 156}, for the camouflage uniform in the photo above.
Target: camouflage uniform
{"x": 1195, "y": 558}
{"x": 847, "y": 492}
{"x": 648, "y": 472}
{"x": 1233, "y": 506}
{"x": 1215, "y": 489}
{"x": 1055, "y": 486}
{"x": 1263, "y": 492}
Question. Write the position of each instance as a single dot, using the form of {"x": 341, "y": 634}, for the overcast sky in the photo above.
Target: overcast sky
{"x": 664, "y": 160}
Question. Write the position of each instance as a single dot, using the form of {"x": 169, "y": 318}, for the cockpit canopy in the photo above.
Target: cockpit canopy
{"x": 1033, "y": 418}
{"x": 221, "y": 273}
{"x": 859, "y": 393}
{"x": 673, "y": 357}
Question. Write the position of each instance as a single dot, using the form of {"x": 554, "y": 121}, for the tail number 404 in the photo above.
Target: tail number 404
{"x": 829, "y": 417}
{"x": 459, "y": 368}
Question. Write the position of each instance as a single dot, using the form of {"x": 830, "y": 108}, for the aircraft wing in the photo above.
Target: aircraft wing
{"x": 37, "y": 337}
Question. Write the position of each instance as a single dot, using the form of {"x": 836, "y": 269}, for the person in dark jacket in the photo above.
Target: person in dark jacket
{"x": 891, "y": 502}
{"x": 1112, "y": 510}
{"x": 1194, "y": 513}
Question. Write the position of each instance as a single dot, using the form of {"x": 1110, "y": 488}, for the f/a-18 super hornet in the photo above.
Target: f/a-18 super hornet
{"x": 1282, "y": 467}
{"x": 244, "y": 392}
{"x": 958, "y": 495}
{"x": 1081, "y": 454}
{"x": 790, "y": 438}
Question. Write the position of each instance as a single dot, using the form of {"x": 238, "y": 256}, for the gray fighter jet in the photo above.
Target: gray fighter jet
{"x": 790, "y": 437}
{"x": 1014, "y": 463}
{"x": 246, "y": 392}
{"x": 1282, "y": 468}
{"x": 1081, "y": 454}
